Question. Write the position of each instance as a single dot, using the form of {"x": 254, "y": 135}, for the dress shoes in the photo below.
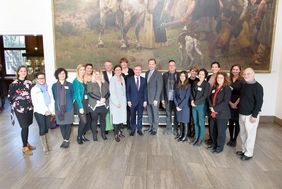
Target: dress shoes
{"x": 84, "y": 138}
{"x": 117, "y": 139}
{"x": 140, "y": 133}
{"x": 208, "y": 141}
{"x": 104, "y": 137}
{"x": 239, "y": 153}
{"x": 132, "y": 133}
{"x": 79, "y": 140}
{"x": 245, "y": 158}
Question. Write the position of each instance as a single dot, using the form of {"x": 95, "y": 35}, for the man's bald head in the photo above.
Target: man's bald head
{"x": 249, "y": 74}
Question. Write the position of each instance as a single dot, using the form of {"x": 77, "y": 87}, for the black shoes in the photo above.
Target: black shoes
{"x": 153, "y": 133}
{"x": 84, "y": 138}
{"x": 117, "y": 139}
{"x": 140, "y": 133}
{"x": 231, "y": 143}
{"x": 239, "y": 153}
{"x": 65, "y": 144}
{"x": 104, "y": 137}
{"x": 79, "y": 140}
{"x": 132, "y": 133}
{"x": 245, "y": 158}
{"x": 95, "y": 138}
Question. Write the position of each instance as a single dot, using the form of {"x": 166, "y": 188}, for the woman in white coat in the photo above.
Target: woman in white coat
{"x": 117, "y": 101}
{"x": 41, "y": 102}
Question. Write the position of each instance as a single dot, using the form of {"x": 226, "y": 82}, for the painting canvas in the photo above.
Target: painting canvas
{"x": 191, "y": 32}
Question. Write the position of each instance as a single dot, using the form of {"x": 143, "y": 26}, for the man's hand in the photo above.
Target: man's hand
{"x": 145, "y": 104}
{"x": 253, "y": 119}
{"x": 129, "y": 104}
{"x": 81, "y": 111}
{"x": 163, "y": 103}
{"x": 155, "y": 102}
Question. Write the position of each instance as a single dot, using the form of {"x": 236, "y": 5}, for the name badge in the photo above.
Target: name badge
{"x": 213, "y": 91}
{"x": 85, "y": 97}
{"x": 199, "y": 89}
{"x": 66, "y": 87}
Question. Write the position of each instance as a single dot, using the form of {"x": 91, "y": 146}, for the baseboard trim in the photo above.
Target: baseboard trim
{"x": 266, "y": 119}
{"x": 278, "y": 121}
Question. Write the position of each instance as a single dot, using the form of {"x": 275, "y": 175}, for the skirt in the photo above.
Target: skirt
{"x": 68, "y": 118}
{"x": 24, "y": 119}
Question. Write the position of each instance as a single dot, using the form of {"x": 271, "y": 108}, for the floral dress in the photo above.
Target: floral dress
{"x": 20, "y": 100}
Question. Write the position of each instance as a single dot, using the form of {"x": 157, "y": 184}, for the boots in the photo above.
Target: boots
{"x": 47, "y": 139}
{"x": 181, "y": 134}
{"x": 43, "y": 143}
{"x": 31, "y": 147}
{"x": 185, "y": 131}
{"x": 27, "y": 151}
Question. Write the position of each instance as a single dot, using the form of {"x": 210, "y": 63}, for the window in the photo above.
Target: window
{"x": 14, "y": 47}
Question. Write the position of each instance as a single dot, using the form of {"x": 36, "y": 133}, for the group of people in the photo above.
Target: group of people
{"x": 119, "y": 94}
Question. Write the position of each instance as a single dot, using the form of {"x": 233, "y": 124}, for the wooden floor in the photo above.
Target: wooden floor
{"x": 136, "y": 162}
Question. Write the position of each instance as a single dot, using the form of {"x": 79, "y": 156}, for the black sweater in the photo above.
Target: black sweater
{"x": 200, "y": 93}
{"x": 251, "y": 99}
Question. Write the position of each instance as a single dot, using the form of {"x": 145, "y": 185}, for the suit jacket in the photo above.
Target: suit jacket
{"x": 106, "y": 76}
{"x": 165, "y": 87}
{"x": 134, "y": 95}
{"x": 154, "y": 86}
{"x": 222, "y": 102}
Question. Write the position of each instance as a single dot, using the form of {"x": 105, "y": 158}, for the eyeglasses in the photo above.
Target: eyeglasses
{"x": 41, "y": 78}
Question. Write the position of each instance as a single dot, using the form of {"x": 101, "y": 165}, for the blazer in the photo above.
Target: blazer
{"x": 95, "y": 93}
{"x": 200, "y": 93}
{"x": 154, "y": 86}
{"x": 106, "y": 76}
{"x": 69, "y": 96}
{"x": 134, "y": 95}
{"x": 165, "y": 81}
{"x": 222, "y": 102}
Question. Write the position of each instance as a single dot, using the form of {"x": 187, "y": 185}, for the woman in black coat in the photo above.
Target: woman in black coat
{"x": 181, "y": 101}
{"x": 220, "y": 111}
{"x": 237, "y": 82}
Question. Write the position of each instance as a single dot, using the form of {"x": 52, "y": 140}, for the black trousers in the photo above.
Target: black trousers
{"x": 24, "y": 135}
{"x": 101, "y": 112}
{"x": 25, "y": 120}
{"x": 88, "y": 123}
{"x": 65, "y": 131}
{"x": 218, "y": 132}
{"x": 43, "y": 123}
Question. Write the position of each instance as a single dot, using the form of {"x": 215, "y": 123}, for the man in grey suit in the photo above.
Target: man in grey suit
{"x": 154, "y": 88}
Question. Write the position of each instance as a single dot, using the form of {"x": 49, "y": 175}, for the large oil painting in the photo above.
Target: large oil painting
{"x": 191, "y": 32}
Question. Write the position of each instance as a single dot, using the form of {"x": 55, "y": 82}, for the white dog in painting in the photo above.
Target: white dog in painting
{"x": 190, "y": 44}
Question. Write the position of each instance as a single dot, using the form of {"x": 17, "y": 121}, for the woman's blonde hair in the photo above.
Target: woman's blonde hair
{"x": 101, "y": 74}
{"x": 77, "y": 72}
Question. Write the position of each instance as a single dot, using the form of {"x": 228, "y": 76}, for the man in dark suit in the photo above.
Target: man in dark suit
{"x": 108, "y": 73}
{"x": 136, "y": 93}
{"x": 169, "y": 81}
{"x": 154, "y": 90}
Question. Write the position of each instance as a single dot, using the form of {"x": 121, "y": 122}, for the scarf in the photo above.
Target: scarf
{"x": 61, "y": 92}
{"x": 44, "y": 89}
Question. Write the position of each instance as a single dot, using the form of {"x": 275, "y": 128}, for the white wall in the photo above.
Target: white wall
{"x": 36, "y": 17}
